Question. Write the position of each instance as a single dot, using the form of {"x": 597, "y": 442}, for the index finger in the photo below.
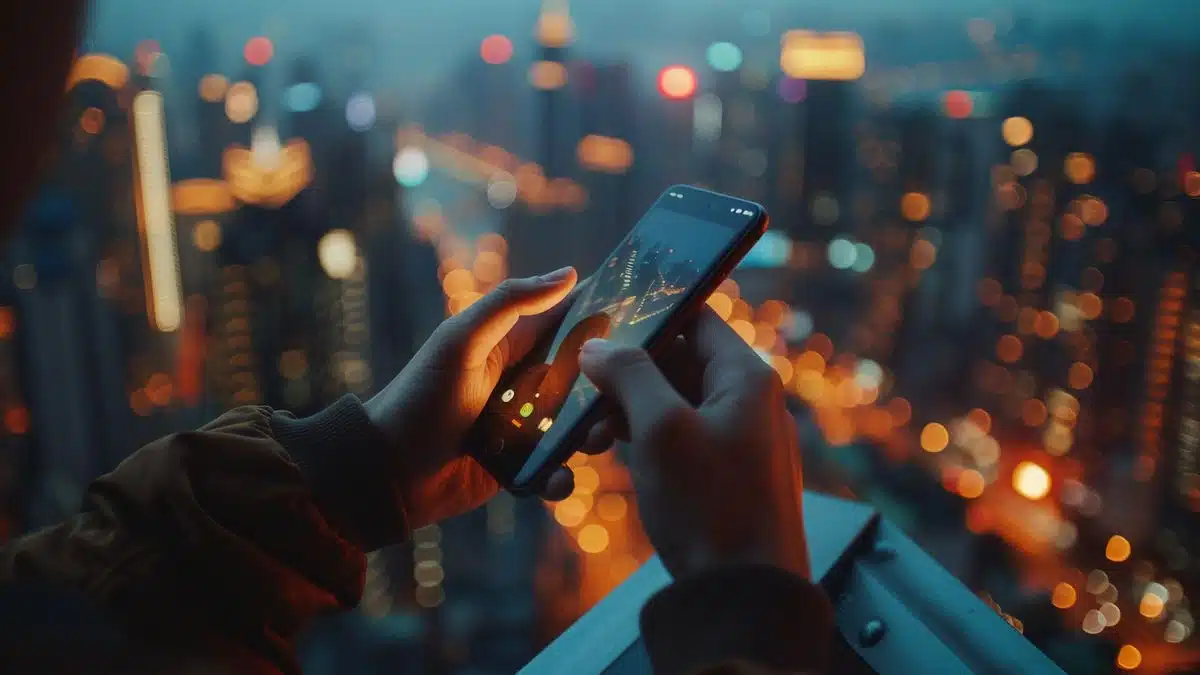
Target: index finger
{"x": 717, "y": 346}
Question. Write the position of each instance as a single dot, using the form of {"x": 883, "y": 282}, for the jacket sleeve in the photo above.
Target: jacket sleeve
{"x": 739, "y": 620}
{"x": 232, "y": 536}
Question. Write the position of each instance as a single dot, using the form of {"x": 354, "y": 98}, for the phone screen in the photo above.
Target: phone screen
{"x": 667, "y": 255}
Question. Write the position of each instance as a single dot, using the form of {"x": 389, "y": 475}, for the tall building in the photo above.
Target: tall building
{"x": 610, "y": 168}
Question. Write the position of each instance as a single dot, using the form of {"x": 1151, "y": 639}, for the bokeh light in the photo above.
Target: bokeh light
{"x": 1031, "y": 480}
{"x": 793, "y": 90}
{"x": 724, "y": 56}
{"x": 258, "y": 51}
{"x": 496, "y": 49}
{"x": 213, "y": 87}
{"x": 1017, "y": 131}
{"x": 338, "y": 254}
{"x": 302, "y": 97}
{"x": 411, "y": 166}
{"x": 360, "y": 111}
{"x": 677, "y": 82}
{"x": 241, "y": 102}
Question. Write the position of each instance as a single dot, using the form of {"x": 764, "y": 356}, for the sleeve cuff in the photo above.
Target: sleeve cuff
{"x": 748, "y": 613}
{"x": 347, "y": 462}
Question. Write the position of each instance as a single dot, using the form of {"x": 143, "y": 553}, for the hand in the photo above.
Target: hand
{"x": 718, "y": 479}
{"x": 428, "y": 408}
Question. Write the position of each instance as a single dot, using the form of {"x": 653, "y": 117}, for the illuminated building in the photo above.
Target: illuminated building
{"x": 609, "y": 162}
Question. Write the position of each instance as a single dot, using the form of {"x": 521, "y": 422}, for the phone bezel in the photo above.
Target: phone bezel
{"x": 531, "y": 480}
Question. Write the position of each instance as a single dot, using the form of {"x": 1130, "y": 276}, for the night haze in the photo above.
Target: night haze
{"x": 980, "y": 288}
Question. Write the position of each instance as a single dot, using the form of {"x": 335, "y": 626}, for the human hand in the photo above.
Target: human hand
{"x": 428, "y": 408}
{"x": 718, "y": 477}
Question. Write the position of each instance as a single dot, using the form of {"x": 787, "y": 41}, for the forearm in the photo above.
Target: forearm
{"x": 221, "y": 534}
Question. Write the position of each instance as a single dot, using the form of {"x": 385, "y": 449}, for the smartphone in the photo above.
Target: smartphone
{"x": 664, "y": 270}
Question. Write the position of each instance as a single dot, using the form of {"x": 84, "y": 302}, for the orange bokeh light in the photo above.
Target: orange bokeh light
{"x": 677, "y": 82}
{"x": 934, "y": 437}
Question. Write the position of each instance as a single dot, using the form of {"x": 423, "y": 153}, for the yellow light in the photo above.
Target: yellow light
{"x": 1063, "y": 596}
{"x": 1080, "y": 168}
{"x": 1031, "y": 480}
{"x": 810, "y": 361}
{"x": 547, "y": 75}
{"x": 206, "y": 235}
{"x": 458, "y": 281}
{"x": 721, "y": 304}
{"x": 808, "y": 55}
{"x": 554, "y": 26}
{"x": 1151, "y": 606}
{"x": 587, "y": 480}
{"x": 593, "y": 538}
{"x": 102, "y": 68}
{"x": 744, "y": 329}
{"x": 1129, "y": 657}
{"x": 602, "y": 153}
{"x": 1118, "y": 548}
{"x": 1017, "y": 131}
{"x": 156, "y": 221}
{"x": 934, "y": 437}
{"x": 915, "y": 206}
{"x": 202, "y": 197}
{"x": 241, "y": 102}
{"x": 970, "y": 484}
{"x": 213, "y": 88}
{"x": 338, "y": 254}
{"x": 570, "y": 512}
{"x": 612, "y": 507}
{"x": 783, "y": 366}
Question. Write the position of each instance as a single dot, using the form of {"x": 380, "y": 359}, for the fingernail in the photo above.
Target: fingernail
{"x": 596, "y": 348}
{"x": 555, "y": 276}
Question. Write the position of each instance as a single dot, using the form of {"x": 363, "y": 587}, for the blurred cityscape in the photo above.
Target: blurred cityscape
{"x": 980, "y": 283}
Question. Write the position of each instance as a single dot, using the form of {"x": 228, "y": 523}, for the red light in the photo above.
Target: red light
{"x": 259, "y": 51}
{"x": 496, "y": 49}
{"x": 677, "y": 82}
{"x": 958, "y": 104}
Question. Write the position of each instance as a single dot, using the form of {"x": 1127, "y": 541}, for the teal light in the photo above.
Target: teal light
{"x": 302, "y": 97}
{"x": 772, "y": 250}
{"x": 724, "y": 56}
{"x": 864, "y": 258}
{"x": 842, "y": 254}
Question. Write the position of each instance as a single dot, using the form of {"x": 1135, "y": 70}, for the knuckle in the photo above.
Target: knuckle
{"x": 505, "y": 290}
{"x": 627, "y": 358}
{"x": 670, "y": 427}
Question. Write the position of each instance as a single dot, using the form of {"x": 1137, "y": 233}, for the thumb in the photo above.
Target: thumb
{"x": 482, "y": 326}
{"x": 628, "y": 376}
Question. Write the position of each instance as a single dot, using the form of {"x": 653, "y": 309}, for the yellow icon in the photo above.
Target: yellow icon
{"x": 508, "y": 395}
{"x": 544, "y": 425}
{"x": 526, "y": 410}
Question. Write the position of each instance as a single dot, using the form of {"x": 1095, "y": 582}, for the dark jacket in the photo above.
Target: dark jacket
{"x": 214, "y": 548}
